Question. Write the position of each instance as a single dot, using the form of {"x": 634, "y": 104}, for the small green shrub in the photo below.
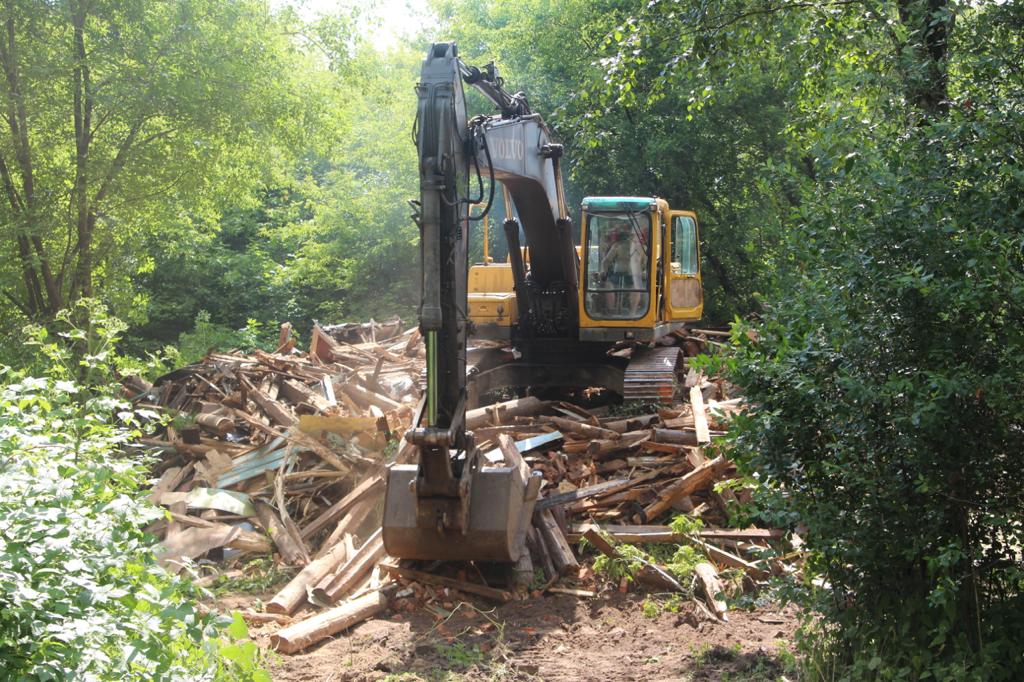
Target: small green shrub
{"x": 207, "y": 336}
{"x": 81, "y": 596}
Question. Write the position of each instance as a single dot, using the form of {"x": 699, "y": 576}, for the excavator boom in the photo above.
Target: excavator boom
{"x": 447, "y": 506}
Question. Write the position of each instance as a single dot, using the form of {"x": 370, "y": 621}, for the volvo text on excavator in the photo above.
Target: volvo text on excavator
{"x": 634, "y": 278}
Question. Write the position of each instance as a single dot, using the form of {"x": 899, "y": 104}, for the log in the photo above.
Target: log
{"x": 700, "y": 416}
{"x": 286, "y": 545}
{"x": 291, "y": 596}
{"x": 631, "y": 423}
{"x": 460, "y": 585}
{"x": 582, "y": 493}
{"x": 583, "y": 429}
{"x": 675, "y": 437}
{"x": 217, "y": 423}
{"x": 555, "y": 542}
{"x": 609, "y": 487}
{"x": 333, "y": 587}
{"x": 350, "y": 523}
{"x": 690, "y": 483}
{"x": 602, "y": 447}
{"x": 537, "y": 549}
{"x": 640, "y": 534}
{"x": 650, "y": 574}
{"x": 305, "y": 633}
{"x": 496, "y": 414}
{"x": 711, "y": 587}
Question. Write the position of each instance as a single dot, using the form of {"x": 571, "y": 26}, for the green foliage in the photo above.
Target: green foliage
{"x": 80, "y": 594}
{"x": 460, "y": 655}
{"x": 679, "y": 560}
{"x": 259, "y": 575}
{"x": 887, "y": 366}
{"x": 132, "y": 122}
{"x": 206, "y": 337}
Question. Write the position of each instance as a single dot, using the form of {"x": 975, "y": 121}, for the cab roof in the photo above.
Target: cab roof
{"x": 629, "y": 204}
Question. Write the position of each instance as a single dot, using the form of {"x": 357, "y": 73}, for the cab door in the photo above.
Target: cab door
{"x": 684, "y": 291}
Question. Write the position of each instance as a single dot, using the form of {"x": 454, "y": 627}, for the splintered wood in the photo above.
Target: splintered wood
{"x": 283, "y": 453}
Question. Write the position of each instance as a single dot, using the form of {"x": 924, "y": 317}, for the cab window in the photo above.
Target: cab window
{"x": 618, "y": 266}
{"x": 684, "y": 246}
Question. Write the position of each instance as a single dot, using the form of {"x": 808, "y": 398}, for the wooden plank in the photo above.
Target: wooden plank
{"x": 299, "y": 392}
{"x": 245, "y": 541}
{"x": 700, "y": 416}
{"x": 229, "y": 501}
{"x": 634, "y": 534}
{"x": 512, "y": 456}
{"x": 697, "y": 479}
{"x": 290, "y": 551}
{"x": 460, "y": 585}
{"x": 277, "y": 412}
{"x": 728, "y": 559}
{"x": 194, "y": 542}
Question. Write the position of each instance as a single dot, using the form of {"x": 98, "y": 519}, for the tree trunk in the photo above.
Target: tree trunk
{"x": 85, "y": 218}
{"x": 928, "y": 23}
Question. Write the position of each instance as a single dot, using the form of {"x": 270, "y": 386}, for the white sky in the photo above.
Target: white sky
{"x": 390, "y": 20}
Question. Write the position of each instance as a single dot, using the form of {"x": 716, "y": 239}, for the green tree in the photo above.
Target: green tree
{"x": 627, "y": 132}
{"x": 886, "y": 368}
{"x": 126, "y": 119}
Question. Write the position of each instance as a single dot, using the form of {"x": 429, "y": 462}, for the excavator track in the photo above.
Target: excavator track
{"x": 651, "y": 374}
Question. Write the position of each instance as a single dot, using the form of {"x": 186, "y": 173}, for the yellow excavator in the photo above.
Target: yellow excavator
{"x": 634, "y": 279}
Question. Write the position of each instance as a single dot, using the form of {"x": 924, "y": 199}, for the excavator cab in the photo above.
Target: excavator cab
{"x": 640, "y": 271}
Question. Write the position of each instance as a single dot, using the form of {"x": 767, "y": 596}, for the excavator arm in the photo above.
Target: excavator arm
{"x": 448, "y": 506}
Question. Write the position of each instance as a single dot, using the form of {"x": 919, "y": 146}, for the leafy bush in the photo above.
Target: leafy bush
{"x": 207, "y": 336}
{"x": 888, "y": 378}
{"x": 80, "y": 594}
{"x": 679, "y": 560}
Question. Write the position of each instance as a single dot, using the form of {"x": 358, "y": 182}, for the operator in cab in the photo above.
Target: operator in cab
{"x": 622, "y": 270}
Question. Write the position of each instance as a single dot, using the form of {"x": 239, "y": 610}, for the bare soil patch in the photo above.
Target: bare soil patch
{"x": 555, "y": 637}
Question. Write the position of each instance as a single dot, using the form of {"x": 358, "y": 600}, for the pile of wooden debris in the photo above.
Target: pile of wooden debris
{"x": 285, "y": 453}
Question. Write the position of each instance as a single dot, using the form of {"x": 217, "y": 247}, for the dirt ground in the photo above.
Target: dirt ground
{"x": 553, "y": 637}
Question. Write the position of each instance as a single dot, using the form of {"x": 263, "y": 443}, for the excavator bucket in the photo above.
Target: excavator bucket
{"x": 494, "y": 524}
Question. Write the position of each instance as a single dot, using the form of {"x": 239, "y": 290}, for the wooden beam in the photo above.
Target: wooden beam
{"x": 700, "y": 416}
